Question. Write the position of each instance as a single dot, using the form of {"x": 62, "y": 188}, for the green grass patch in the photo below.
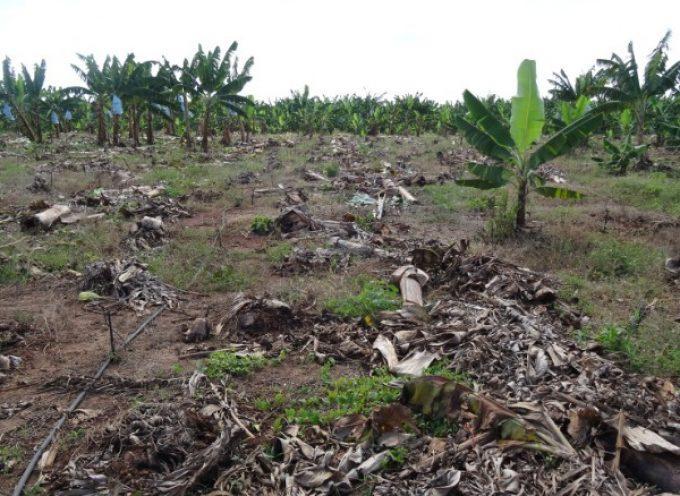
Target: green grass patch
{"x": 374, "y": 297}
{"x": 8, "y": 455}
{"x": 191, "y": 261}
{"x": 277, "y": 253}
{"x": 613, "y": 258}
{"x": 222, "y": 363}
{"x": 262, "y": 225}
{"x": 450, "y": 197}
{"x": 344, "y": 396}
{"x": 655, "y": 192}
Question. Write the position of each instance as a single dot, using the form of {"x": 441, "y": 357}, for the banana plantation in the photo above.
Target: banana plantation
{"x": 203, "y": 292}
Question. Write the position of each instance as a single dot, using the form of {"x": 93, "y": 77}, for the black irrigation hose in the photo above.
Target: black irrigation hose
{"x": 19, "y": 488}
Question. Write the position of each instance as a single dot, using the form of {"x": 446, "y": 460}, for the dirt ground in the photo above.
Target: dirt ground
{"x": 605, "y": 253}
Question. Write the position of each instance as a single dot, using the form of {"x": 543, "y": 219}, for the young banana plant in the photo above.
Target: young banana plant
{"x": 512, "y": 147}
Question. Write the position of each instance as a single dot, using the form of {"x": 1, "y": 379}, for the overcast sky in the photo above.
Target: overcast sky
{"x": 438, "y": 48}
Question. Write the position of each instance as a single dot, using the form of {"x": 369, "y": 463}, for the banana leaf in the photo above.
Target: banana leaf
{"x": 482, "y": 141}
{"x": 560, "y": 193}
{"x": 487, "y": 121}
{"x": 528, "y": 115}
{"x": 491, "y": 173}
{"x": 477, "y": 183}
{"x": 568, "y": 137}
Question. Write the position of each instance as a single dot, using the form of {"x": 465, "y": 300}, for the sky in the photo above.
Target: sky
{"x": 437, "y": 48}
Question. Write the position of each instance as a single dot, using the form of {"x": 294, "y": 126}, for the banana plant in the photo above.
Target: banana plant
{"x": 625, "y": 86}
{"x": 511, "y": 147}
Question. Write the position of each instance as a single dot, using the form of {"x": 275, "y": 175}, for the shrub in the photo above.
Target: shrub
{"x": 262, "y": 225}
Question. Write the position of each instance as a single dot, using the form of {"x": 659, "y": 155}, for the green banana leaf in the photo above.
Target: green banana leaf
{"x": 565, "y": 139}
{"x": 528, "y": 115}
{"x": 482, "y": 141}
{"x": 560, "y": 193}
{"x": 491, "y": 173}
{"x": 477, "y": 183}
{"x": 487, "y": 121}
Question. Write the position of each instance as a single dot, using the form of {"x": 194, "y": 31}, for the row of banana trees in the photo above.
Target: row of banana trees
{"x": 199, "y": 94}
{"x": 203, "y": 96}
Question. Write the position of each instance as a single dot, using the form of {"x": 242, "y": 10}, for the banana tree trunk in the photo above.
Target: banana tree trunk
{"x": 242, "y": 129}
{"x": 116, "y": 130}
{"x": 149, "y": 127}
{"x": 131, "y": 122}
{"x": 206, "y": 130}
{"x": 101, "y": 124}
{"x": 135, "y": 127}
{"x": 187, "y": 125}
{"x": 522, "y": 190}
{"x": 226, "y": 135}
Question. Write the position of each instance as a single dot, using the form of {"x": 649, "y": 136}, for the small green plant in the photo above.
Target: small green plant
{"x": 262, "y": 225}
{"x": 9, "y": 455}
{"x": 501, "y": 225}
{"x": 278, "y": 253}
{"x": 613, "y": 258}
{"x": 374, "y": 297}
{"x": 331, "y": 170}
{"x": 396, "y": 457}
{"x": 615, "y": 339}
{"x": 177, "y": 368}
{"x": 221, "y": 363}
{"x": 342, "y": 397}
{"x": 482, "y": 203}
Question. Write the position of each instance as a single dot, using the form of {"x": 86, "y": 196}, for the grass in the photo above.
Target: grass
{"x": 614, "y": 258}
{"x": 9, "y": 454}
{"x": 374, "y": 297}
{"x": 277, "y": 253}
{"x": 222, "y": 363}
{"x": 192, "y": 261}
{"x": 68, "y": 248}
{"x": 656, "y": 192}
{"x": 344, "y": 396}
{"x": 450, "y": 197}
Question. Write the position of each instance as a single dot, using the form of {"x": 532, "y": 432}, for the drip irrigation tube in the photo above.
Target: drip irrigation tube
{"x": 19, "y": 488}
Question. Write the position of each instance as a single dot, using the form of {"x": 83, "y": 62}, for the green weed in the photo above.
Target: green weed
{"x": 342, "y": 397}
{"x": 278, "y": 253}
{"x": 655, "y": 191}
{"x": 221, "y": 363}
{"x": 613, "y": 258}
{"x": 374, "y": 297}
{"x": 262, "y": 225}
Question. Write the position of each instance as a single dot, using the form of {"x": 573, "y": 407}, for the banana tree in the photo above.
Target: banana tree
{"x": 218, "y": 84}
{"x": 623, "y": 81}
{"x": 23, "y": 95}
{"x": 511, "y": 146}
{"x": 97, "y": 86}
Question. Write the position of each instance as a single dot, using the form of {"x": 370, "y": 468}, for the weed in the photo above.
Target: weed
{"x": 9, "y": 455}
{"x": 374, "y": 297}
{"x": 397, "y": 457}
{"x": 501, "y": 225}
{"x": 177, "y": 368}
{"x": 343, "y": 397}
{"x": 265, "y": 405}
{"x": 613, "y": 258}
{"x": 227, "y": 278}
{"x": 278, "y": 253}
{"x": 656, "y": 192}
{"x": 443, "y": 368}
{"x": 221, "y": 363}
{"x": 481, "y": 203}
{"x": 262, "y": 225}
{"x": 615, "y": 339}
{"x": 331, "y": 170}
{"x": 365, "y": 222}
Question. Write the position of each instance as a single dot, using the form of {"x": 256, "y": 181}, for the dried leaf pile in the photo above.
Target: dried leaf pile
{"x": 538, "y": 412}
